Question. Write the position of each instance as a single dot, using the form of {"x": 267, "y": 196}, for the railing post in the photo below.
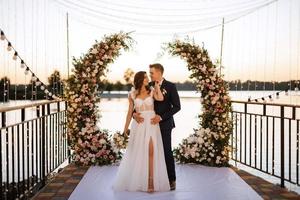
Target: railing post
{"x": 68, "y": 145}
{"x": 281, "y": 146}
{"x": 43, "y": 168}
{"x": 3, "y": 124}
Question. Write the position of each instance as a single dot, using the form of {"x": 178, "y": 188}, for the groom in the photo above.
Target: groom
{"x": 164, "y": 116}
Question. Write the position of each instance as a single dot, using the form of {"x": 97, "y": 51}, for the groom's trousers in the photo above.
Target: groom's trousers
{"x": 167, "y": 143}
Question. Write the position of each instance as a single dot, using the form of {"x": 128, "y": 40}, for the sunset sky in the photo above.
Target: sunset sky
{"x": 263, "y": 44}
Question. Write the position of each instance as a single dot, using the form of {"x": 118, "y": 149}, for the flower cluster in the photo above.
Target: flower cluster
{"x": 82, "y": 112}
{"x": 96, "y": 149}
{"x": 216, "y": 108}
{"x": 200, "y": 148}
{"x": 120, "y": 140}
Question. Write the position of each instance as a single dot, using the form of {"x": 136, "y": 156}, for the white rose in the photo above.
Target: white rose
{"x": 200, "y": 140}
{"x": 102, "y": 141}
{"x": 94, "y": 51}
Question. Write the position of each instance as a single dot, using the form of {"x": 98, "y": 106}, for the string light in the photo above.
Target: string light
{"x": 23, "y": 65}
{"x": 270, "y": 96}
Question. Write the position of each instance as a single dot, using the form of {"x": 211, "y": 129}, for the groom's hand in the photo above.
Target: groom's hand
{"x": 155, "y": 120}
{"x": 138, "y": 118}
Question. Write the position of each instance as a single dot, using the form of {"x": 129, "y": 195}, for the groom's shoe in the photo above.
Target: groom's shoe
{"x": 173, "y": 185}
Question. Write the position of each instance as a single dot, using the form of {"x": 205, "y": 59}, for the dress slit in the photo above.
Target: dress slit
{"x": 151, "y": 160}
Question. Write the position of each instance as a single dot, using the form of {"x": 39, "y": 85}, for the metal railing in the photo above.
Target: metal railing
{"x": 266, "y": 137}
{"x": 33, "y": 144}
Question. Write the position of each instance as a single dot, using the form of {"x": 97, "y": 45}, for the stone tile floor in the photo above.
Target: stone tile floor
{"x": 63, "y": 184}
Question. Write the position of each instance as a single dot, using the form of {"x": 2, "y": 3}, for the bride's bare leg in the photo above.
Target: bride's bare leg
{"x": 151, "y": 155}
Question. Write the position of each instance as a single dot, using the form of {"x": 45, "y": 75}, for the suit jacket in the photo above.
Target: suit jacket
{"x": 169, "y": 106}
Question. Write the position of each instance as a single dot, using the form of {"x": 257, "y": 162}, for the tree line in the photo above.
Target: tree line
{"x": 55, "y": 85}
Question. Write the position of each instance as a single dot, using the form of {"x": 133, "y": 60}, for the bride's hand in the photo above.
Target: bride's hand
{"x": 125, "y": 132}
{"x": 156, "y": 85}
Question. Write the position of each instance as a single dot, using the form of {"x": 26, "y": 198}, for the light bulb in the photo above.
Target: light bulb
{"x": 33, "y": 78}
{"x": 9, "y": 47}
{"x": 22, "y": 64}
{"x": 2, "y": 35}
{"x": 15, "y": 56}
{"x": 38, "y": 83}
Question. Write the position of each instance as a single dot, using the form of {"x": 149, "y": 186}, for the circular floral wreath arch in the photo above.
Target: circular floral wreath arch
{"x": 209, "y": 144}
{"x": 90, "y": 145}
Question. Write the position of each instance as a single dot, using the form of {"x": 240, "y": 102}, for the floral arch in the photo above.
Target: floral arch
{"x": 90, "y": 145}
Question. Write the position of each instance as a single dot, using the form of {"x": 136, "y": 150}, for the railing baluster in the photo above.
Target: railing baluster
{"x": 43, "y": 160}
{"x": 236, "y": 149}
{"x": 32, "y": 153}
{"x": 290, "y": 153}
{"x": 58, "y": 139}
{"x": 255, "y": 141}
{"x": 13, "y": 192}
{"x": 250, "y": 139}
{"x": 52, "y": 142}
{"x": 18, "y": 157}
{"x": 282, "y": 146}
{"x": 241, "y": 131}
{"x": 260, "y": 146}
{"x": 23, "y": 150}
{"x": 38, "y": 122}
{"x": 273, "y": 146}
{"x": 48, "y": 138}
{"x": 245, "y": 140}
{"x": 267, "y": 144}
{"x": 7, "y": 163}
{"x": 28, "y": 176}
{"x": 297, "y": 153}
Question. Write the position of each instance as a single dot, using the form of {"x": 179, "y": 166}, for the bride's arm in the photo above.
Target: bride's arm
{"x": 129, "y": 114}
{"x": 157, "y": 94}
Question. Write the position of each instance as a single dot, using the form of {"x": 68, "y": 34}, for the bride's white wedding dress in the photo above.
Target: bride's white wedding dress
{"x": 133, "y": 171}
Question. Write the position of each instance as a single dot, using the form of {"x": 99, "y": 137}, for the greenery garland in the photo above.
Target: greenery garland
{"x": 88, "y": 143}
{"x": 209, "y": 144}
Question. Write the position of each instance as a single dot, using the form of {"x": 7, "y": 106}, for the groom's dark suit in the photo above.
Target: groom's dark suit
{"x": 166, "y": 109}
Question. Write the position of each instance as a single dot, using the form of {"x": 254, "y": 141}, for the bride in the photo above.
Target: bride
{"x": 143, "y": 166}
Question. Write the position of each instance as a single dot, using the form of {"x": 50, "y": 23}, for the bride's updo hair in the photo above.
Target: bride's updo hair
{"x": 138, "y": 82}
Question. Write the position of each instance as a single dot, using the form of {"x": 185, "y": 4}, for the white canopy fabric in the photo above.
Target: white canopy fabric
{"x": 167, "y": 17}
{"x": 194, "y": 182}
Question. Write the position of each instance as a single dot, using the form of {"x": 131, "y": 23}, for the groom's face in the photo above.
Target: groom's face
{"x": 155, "y": 74}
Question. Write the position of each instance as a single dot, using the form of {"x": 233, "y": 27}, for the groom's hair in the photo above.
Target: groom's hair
{"x": 158, "y": 67}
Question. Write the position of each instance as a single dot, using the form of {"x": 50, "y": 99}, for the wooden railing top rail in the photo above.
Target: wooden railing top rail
{"x": 6, "y": 108}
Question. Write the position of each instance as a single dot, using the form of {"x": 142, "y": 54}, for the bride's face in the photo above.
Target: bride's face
{"x": 146, "y": 80}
